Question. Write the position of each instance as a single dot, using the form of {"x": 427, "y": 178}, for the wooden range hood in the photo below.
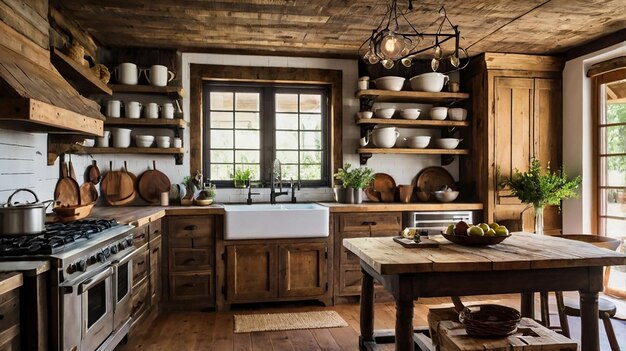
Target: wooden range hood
{"x": 37, "y": 98}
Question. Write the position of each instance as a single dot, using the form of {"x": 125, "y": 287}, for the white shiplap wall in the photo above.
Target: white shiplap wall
{"x": 23, "y": 155}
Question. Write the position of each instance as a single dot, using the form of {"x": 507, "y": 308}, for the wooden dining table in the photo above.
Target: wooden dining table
{"x": 523, "y": 263}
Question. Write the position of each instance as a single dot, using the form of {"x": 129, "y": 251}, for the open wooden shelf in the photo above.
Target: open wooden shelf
{"x": 146, "y": 122}
{"x": 413, "y": 123}
{"x": 78, "y": 75}
{"x": 410, "y": 96}
{"x": 372, "y": 150}
{"x": 175, "y": 92}
{"x": 131, "y": 150}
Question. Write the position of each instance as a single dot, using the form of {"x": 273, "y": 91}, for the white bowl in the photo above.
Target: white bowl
{"x": 89, "y": 142}
{"x": 385, "y": 112}
{"x": 457, "y": 114}
{"x": 446, "y": 196}
{"x": 144, "y": 140}
{"x": 410, "y": 113}
{"x": 438, "y": 113}
{"x": 384, "y": 137}
{"x": 389, "y": 83}
{"x": 365, "y": 114}
{"x": 432, "y": 82}
{"x": 417, "y": 142}
{"x": 163, "y": 144}
{"x": 447, "y": 143}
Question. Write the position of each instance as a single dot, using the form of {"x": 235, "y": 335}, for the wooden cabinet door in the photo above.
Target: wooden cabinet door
{"x": 251, "y": 272}
{"x": 302, "y": 269}
{"x": 155, "y": 270}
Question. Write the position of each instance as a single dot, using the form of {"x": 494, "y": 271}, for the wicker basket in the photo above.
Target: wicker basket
{"x": 489, "y": 321}
{"x": 76, "y": 52}
{"x": 102, "y": 72}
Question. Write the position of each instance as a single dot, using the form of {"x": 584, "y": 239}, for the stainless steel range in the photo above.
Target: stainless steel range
{"x": 90, "y": 280}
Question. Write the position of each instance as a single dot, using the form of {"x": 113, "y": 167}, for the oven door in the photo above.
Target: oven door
{"x": 95, "y": 295}
{"x": 122, "y": 282}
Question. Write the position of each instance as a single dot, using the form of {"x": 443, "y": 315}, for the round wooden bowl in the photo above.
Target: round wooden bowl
{"x": 199, "y": 202}
{"x": 475, "y": 240}
{"x": 489, "y": 321}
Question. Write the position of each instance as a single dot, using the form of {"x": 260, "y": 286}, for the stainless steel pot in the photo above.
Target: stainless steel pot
{"x": 26, "y": 218}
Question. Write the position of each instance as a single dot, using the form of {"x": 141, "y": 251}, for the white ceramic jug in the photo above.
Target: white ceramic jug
{"x": 133, "y": 109}
{"x": 127, "y": 73}
{"x": 385, "y": 137}
{"x": 151, "y": 110}
{"x": 167, "y": 110}
{"x": 104, "y": 140}
{"x": 159, "y": 76}
{"x": 121, "y": 137}
{"x": 113, "y": 108}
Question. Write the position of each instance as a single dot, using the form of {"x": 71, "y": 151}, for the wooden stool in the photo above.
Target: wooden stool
{"x": 606, "y": 309}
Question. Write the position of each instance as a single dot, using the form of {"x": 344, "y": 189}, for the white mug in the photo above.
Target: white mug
{"x": 159, "y": 76}
{"x": 178, "y": 142}
{"x": 167, "y": 110}
{"x": 363, "y": 84}
{"x": 364, "y": 141}
{"x": 151, "y": 110}
{"x": 104, "y": 140}
{"x": 133, "y": 109}
{"x": 127, "y": 73}
{"x": 113, "y": 108}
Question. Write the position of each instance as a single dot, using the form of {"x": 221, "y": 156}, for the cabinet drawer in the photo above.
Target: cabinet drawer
{"x": 9, "y": 310}
{"x": 370, "y": 223}
{"x": 140, "y": 236}
{"x": 206, "y": 242}
{"x": 140, "y": 300}
{"x": 349, "y": 259}
{"x": 350, "y": 282}
{"x": 154, "y": 229}
{"x": 183, "y": 259}
{"x": 188, "y": 227}
{"x": 141, "y": 263}
{"x": 184, "y": 286}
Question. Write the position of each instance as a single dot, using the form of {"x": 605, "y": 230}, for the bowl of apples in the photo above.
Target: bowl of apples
{"x": 482, "y": 234}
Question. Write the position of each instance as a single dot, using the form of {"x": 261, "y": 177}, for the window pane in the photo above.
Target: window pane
{"x": 247, "y": 156}
{"x": 311, "y": 172}
{"x": 286, "y": 102}
{"x": 287, "y": 121}
{"x": 615, "y": 139}
{"x": 615, "y": 110}
{"x": 311, "y": 122}
{"x": 310, "y": 103}
{"x": 615, "y": 227}
{"x": 221, "y": 171}
{"x": 287, "y": 156}
{"x": 287, "y": 140}
{"x": 247, "y": 120}
{"x": 290, "y": 171}
{"x": 247, "y": 139}
{"x": 221, "y": 119}
{"x": 616, "y": 170}
{"x": 311, "y": 140}
{"x": 247, "y": 101}
{"x": 616, "y": 203}
{"x": 222, "y": 156}
{"x": 221, "y": 139}
{"x": 221, "y": 101}
{"x": 310, "y": 157}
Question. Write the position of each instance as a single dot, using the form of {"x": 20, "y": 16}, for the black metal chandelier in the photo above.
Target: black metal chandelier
{"x": 388, "y": 44}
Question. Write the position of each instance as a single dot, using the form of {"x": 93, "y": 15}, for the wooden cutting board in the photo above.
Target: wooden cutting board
{"x": 118, "y": 187}
{"x": 431, "y": 179}
{"x": 152, "y": 183}
{"x": 385, "y": 185}
{"x": 93, "y": 173}
{"x": 88, "y": 193}
{"x": 66, "y": 191}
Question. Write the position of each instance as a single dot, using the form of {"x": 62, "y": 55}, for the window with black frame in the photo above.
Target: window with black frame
{"x": 247, "y": 126}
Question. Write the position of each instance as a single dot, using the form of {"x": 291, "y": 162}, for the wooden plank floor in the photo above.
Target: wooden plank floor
{"x": 195, "y": 330}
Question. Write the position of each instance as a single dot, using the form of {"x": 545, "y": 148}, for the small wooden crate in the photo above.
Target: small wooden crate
{"x": 530, "y": 335}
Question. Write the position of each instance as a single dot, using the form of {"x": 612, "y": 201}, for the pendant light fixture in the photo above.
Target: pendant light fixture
{"x": 389, "y": 45}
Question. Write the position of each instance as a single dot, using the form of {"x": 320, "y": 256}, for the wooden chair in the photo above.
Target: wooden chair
{"x": 606, "y": 308}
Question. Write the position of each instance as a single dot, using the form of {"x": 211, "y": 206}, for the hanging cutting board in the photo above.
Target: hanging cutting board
{"x": 88, "y": 193}
{"x": 152, "y": 183}
{"x": 118, "y": 187}
{"x": 66, "y": 191}
{"x": 431, "y": 179}
{"x": 93, "y": 173}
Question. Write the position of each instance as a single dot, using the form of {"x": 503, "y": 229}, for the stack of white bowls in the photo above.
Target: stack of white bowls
{"x": 163, "y": 141}
{"x": 144, "y": 140}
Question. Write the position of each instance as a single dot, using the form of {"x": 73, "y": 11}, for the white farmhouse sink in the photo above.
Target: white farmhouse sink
{"x": 278, "y": 221}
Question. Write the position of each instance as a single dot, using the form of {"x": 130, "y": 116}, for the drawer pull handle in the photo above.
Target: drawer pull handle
{"x": 368, "y": 223}
{"x": 189, "y": 260}
{"x": 155, "y": 250}
{"x": 142, "y": 236}
{"x": 140, "y": 263}
{"x": 191, "y": 227}
{"x": 189, "y": 285}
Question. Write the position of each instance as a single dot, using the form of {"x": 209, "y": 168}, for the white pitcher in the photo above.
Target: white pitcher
{"x": 167, "y": 110}
{"x": 151, "y": 110}
{"x": 159, "y": 76}
{"x": 133, "y": 109}
{"x": 127, "y": 73}
{"x": 385, "y": 137}
{"x": 113, "y": 108}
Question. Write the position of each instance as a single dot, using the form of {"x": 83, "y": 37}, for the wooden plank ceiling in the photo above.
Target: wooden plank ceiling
{"x": 338, "y": 27}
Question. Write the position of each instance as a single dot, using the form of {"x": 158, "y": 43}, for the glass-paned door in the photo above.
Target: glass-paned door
{"x": 612, "y": 174}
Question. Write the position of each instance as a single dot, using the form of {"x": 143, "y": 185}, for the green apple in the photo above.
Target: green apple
{"x": 484, "y": 226}
{"x": 494, "y": 225}
{"x": 490, "y": 232}
{"x": 502, "y": 231}
{"x": 450, "y": 229}
{"x": 475, "y": 231}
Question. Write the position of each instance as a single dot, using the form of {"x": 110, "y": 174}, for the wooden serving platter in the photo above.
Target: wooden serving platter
{"x": 411, "y": 244}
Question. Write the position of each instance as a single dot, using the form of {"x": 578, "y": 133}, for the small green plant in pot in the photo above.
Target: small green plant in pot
{"x": 353, "y": 181}
{"x": 241, "y": 177}
{"x": 539, "y": 189}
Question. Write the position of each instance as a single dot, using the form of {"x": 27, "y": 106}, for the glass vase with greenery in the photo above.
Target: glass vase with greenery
{"x": 353, "y": 181}
{"x": 241, "y": 177}
{"x": 539, "y": 189}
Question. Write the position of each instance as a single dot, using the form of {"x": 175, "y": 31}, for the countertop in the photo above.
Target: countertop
{"x": 10, "y": 281}
{"x": 28, "y": 268}
{"x": 140, "y": 215}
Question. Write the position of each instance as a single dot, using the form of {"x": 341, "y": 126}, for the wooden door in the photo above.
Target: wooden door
{"x": 302, "y": 269}
{"x": 252, "y": 272}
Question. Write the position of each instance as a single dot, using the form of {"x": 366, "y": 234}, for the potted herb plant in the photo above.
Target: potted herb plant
{"x": 539, "y": 189}
{"x": 241, "y": 177}
{"x": 353, "y": 181}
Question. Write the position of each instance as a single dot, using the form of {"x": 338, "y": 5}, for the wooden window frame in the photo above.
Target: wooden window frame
{"x": 267, "y": 126}
{"x": 332, "y": 79}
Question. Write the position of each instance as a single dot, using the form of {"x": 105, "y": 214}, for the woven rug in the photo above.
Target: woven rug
{"x": 246, "y": 323}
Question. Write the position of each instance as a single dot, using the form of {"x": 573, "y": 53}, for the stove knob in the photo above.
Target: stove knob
{"x": 114, "y": 249}
{"x": 101, "y": 257}
{"x": 121, "y": 246}
{"x": 71, "y": 268}
{"x": 129, "y": 242}
{"x": 106, "y": 252}
{"x": 81, "y": 265}
{"x": 92, "y": 259}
